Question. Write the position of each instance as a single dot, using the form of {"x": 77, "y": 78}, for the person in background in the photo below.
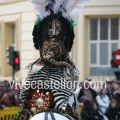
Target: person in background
{"x": 2, "y": 106}
{"x": 96, "y": 110}
{"x": 103, "y": 101}
{"x": 117, "y": 96}
{"x": 78, "y": 88}
{"x": 115, "y": 86}
{"x": 90, "y": 112}
{"x": 1, "y": 90}
{"x": 114, "y": 65}
{"x": 17, "y": 96}
{"x": 86, "y": 91}
{"x": 109, "y": 89}
{"x": 112, "y": 112}
{"x": 9, "y": 99}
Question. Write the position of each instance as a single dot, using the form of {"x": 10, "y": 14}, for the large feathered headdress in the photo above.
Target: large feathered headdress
{"x": 66, "y": 11}
{"x": 53, "y": 33}
{"x": 69, "y": 9}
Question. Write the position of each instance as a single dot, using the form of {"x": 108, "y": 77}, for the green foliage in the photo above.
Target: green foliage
{"x": 22, "y": 115}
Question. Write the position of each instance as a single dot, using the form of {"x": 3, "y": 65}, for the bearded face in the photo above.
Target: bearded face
{"x": 53, "y": 37}
{"x": 53, "y": 47}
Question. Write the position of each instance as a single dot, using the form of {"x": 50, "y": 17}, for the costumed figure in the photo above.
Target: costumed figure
{"x": 48, "y": 86}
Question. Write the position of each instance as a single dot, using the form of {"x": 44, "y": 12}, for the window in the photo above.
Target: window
{"x": 104, "y": 38}
{"x": 93, "y": 29}
{"x": 13, "y": 33}
{"x": 103, "y": 28}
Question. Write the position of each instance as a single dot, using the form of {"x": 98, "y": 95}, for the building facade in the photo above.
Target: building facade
{"x": 99, "y": 29}
{"x": 97, "y": 35}
{"x": 16, "y": 24}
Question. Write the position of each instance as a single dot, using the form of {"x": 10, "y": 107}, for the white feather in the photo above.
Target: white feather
{"x": 70, "y": 8}
{"x": 35, "y": 68}
{"x": 77, "y": 10}
{"x": 74, "y": 8}
{"x": 57, "y": 7}
{"x": 39, "y": 6}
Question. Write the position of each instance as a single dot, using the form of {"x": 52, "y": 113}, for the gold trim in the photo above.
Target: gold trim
{"x": 3, "y": 2}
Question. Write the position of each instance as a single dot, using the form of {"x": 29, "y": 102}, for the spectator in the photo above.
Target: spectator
{"x": 117, "y": 96}
{"x": 17, "y": 96}
{"x": 90, "y": 112}
{"x": 4, "y": 86}
{"x": 102, "y": 101}
{"x": 115, "y": 87}
{"x": 96, "y": 110}
{"x": 1, "y": 90}
{"x": 114, "y": 65}
{"x": 112, "y": 112}
{"x": 8, "y": 99}
{"x": 86, "y": 91}
{"x": 79, "y": 86}
{"x": 1, "y": 106}
{"x": 109, "y": 89}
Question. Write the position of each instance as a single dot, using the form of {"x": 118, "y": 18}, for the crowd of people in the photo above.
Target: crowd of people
{"x": 102, "y": 104}
{"x": 8, "y": 97}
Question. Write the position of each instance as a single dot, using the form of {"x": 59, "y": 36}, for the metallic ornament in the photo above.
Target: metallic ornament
{"x": 39, "y": 102}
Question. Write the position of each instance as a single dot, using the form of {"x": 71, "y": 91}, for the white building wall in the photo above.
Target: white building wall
{"x": 22, "y": 11}
{"x": 27, "y": 48}
{"x": 94, "y": 8}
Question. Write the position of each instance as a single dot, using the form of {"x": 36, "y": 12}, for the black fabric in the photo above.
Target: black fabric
{"x": 35, "y": 37}
{"x": 1, "y": 107}
{"x": 81, "y": 93}
{"x": 117, "y": 97}
{"x": 112, "y": 114}
{"x": 114, "y": 65}
{"x": 90, "y": 114}
{"x": 110, "y": 93}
